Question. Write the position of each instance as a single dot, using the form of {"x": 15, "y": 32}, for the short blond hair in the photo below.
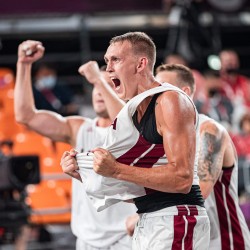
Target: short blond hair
{"x": 141, "y": 43}
{"x": 184, "y": 74}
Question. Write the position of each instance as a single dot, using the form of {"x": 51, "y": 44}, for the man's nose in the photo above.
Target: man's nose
{"x": 109, "y": 67}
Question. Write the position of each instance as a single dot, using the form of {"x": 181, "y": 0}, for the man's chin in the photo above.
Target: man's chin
{"x": 103, "y": 114}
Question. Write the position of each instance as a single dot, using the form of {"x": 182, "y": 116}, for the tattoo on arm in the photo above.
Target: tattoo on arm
{"x": 210, "y": 157}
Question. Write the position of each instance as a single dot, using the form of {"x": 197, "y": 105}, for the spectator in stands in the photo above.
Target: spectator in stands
{"x": 235, "y": 86}
{"x": 50, "y": 93}
{"x": 215, "y": 104}
{"x": 242, "y": 139}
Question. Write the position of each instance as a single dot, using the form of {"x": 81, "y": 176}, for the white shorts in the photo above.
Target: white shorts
{"x": 125, "y": 243}
{"x": 176, "y": 228}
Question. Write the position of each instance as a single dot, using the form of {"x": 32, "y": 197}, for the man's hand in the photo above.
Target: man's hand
{"x": 104, "y": 163}
{"x": 30, "y": 51}
{"x": 69, "y": 164}
{"x": 91, "y": 72}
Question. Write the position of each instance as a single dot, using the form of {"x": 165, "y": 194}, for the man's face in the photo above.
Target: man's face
{"x": 122, "y": 69}
{"x": 229, "y": 61}
{"x": 97, "y": 100}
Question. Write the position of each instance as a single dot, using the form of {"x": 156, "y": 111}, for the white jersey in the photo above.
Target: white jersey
{"x": 127, "y": 145}
{"x": 103, "y": 229}
{"x": 227, "y": 223}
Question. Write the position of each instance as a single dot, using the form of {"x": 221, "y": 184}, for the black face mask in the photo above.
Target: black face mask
{"x": 232, "y": 71}
{"x": 213, "y": 92}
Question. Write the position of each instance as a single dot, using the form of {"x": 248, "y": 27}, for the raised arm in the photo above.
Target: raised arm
{"x": 44, "y": 122}
{"x": 175, "y": 118}
{"x": 211, "y": 154}
{"x": 93, "y": 74}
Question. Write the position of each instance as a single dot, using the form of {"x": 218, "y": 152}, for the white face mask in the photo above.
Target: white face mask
{"x": 47, "y": 82}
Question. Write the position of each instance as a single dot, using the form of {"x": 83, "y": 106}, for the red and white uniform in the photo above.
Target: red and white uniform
{"x": 165, "y": 225}
{"x": 127, "y": 145}
{"x": 104, "y": 230}
{"x": 229, "y": 230}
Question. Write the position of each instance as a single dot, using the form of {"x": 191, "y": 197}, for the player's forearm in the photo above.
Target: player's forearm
{"x": 23, "y": 97}
{"x": 113, "y": 103}
{"x": 163, "y": 178}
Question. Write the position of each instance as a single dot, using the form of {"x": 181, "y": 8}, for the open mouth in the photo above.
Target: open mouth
{"x": 100, "y": 101}
{"x": 116, "y": 82}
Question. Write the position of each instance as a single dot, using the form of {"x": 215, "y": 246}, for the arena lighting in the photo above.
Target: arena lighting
{"x": 18, "y": 171}
{"x": 213, "y": 62}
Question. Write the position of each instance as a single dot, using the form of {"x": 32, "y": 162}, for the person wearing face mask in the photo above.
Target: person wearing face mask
{"x": 235, "y": 85}
{"x": 50, "y": 93}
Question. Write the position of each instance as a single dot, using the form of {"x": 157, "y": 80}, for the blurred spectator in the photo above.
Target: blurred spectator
{"x": 235, "y": 86}
{"x": 52, "y": 94}
{"x": 242, "y": 139}
{"x": 215, "y": 104}
{"x": 242, "y": 144}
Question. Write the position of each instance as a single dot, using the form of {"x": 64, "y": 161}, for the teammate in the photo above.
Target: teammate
{"x": 105, "y": 230}
{"x": 153, "y": 142}
{"x": 217, "y": 170}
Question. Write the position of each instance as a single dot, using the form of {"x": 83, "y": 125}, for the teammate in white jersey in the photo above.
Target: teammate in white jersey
{"x": 172, "y": 215}
{"x": 218, "y": 173}
{"x": 105, "y": 230}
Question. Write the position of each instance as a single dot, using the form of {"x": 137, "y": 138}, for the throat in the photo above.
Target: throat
{"x": 103, "y": 122}
{"x": 142, "y": 108}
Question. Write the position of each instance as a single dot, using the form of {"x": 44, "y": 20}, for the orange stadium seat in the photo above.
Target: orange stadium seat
{"x": 49, "y": 203}
{"x": 8, "y": 125}
{"x": 62, "y": 180}
{"x": 50, "y": 200}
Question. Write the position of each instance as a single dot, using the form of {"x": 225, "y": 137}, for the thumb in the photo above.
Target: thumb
{"x": 73, "y": 152}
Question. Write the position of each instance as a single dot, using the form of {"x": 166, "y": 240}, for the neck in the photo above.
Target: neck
{"x": 147, "y": 83}
{"x": 103, "y": 122}
{"x": 144, "y": 104}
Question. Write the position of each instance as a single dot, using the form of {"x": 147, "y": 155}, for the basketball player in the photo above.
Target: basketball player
{"x": 217, "y": 170}
{"x": 152, "y": 143}
{"x": 105, "y": 230}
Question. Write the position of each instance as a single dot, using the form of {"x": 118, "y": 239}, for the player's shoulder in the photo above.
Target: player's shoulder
{"x": 174, "y": 97}
{"x": 75, "y": 122}
{"x": 213, "y": 127}
{"x": 76, "y": 119}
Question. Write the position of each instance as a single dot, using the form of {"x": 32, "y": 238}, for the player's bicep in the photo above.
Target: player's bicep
{"x": 177, "y": 127}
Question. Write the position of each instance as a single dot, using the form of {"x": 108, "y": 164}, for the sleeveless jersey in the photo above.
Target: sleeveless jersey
{"x": 126, "y": 144}
{"x": 227, "y": 223}
{"x": 103, "y": 229}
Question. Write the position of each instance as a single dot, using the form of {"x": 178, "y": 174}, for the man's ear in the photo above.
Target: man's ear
{"x": 142, "y": 64}
{"x": 187, "y": 90}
